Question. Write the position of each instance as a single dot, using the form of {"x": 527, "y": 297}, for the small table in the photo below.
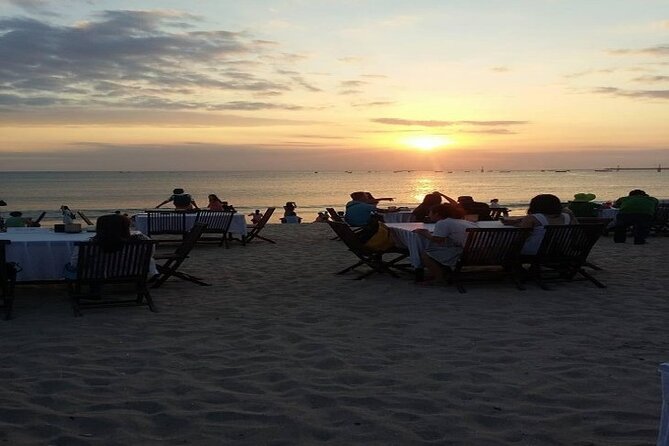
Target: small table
{"x": 397, "y": 217}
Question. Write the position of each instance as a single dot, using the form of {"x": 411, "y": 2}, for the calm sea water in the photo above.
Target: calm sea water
{"x": 98, "y": 193}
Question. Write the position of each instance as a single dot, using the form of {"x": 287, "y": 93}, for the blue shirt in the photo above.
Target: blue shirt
{"x": 358, "y": 213}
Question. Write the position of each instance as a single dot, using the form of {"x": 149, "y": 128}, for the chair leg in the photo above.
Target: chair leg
{"x": 266, "y": 239}
{"x": 344, "y": 271}
{"x": 591, "y": 279}
{"x": 149, "y": 300}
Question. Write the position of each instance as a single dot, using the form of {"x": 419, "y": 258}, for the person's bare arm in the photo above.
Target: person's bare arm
{"x": 164, "y": 202}
{"x": 446, "y": 197}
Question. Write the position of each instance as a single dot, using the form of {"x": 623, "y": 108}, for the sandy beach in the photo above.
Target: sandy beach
{"x": 280, "y": 351}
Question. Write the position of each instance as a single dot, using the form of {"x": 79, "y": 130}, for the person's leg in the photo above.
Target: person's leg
{"x": 642, "y": 223}
{"x": 434, "y": 268}
{"x": 620, "y": 230}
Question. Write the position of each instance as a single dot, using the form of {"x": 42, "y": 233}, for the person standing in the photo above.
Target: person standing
{"x": 637, "y": 210}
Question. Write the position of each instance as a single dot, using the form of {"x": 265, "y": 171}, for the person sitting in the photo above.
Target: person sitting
{"x": 16, "y": 220}
{"x": 477, "y": 208}
{"x": 112, "y": 231}
{"x": 447, "y": 239}
{"x": 497, "y": 211}
{"x": 422, "y": 211}
{"x": 289, "y": 214}
{"x": 636, "y": 210}
{"x": 256, "y": 216}
{"x": 215, "y": 204}
{"x": 181, "y": 200}
{"x": 359, "y": 210}
{"x": 582, "y": 205}
{"x": 322, "y": 217}
{"x": 544, "y": 209}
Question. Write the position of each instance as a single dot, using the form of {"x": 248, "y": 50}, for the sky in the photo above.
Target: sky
{"x": 333, "y": 84}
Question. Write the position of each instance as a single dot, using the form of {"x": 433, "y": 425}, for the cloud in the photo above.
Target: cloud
{"x": 659, "y": 50}
{"x": 78, "y": 116}
{"x": 643, "y": 94}
{"x": 500, "y": 69}
{"x": 652, "y": 79}
{"x": 350, "y": 59}
{"x": 373, "y": 104}
{"x": 431, "y": 123}
{"x": 352, "y": 84}
{"x": 138, "y": 59}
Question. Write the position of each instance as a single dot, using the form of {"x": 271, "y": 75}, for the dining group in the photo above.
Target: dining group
{"x": 452, "y": 218}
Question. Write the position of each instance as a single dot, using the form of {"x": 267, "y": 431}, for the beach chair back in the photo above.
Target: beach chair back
{"x": 493, "y": 246}
{"x": 95, "y": 267}
{"x": 565, "y": 249}
{"x": 162, "y": 222}
{"x": 334, "y": 215}
{"x": 84, "y": 218}
{"x": 173, "y": 261}
{"x": 255, "y": 229}
{"x": 217, "y": 222}
{"x": 39, "y": 218}
{"x": 346, "y": 235}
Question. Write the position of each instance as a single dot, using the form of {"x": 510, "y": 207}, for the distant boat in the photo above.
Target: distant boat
{"x": 602, "y": 170}
{"x": 505, "y": 171}
{"x": 467, "y": 171}
{"x": 315, "y": 171}
{"x": 561, "y": 171}
{"x": 543, "y": 170}
{"x": 349, "y": 171}
{"x": 438, "y": 170}
{"x": 450, "y": 171}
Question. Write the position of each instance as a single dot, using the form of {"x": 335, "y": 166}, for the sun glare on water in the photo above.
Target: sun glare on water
{"x": 427, "y": 142}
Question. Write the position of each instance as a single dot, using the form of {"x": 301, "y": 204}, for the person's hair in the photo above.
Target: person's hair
{"x": 178, "y": 191}
{"x": 545, "y": 204}
{"x": 431, "y": 199}
{"x": 448, "y": 211}
{"x": 16, "y": 213}
{"x": 64, "y": 207}
{"x": 112, "y": 231}
{"x": 213, "y": 197}
{"x": 637, "y": 192}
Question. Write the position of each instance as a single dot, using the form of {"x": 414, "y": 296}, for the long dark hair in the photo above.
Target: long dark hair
{"x": 545, "y": 204}
{"x": 112, "y": 231}
{"x": 448, "y": 211}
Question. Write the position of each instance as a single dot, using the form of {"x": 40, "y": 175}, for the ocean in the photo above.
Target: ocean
{"x": 98, "y": 193}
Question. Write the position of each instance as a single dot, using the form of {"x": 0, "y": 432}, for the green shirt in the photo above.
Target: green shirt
{"x": 637, "y": 204}
{"x": 15, "y": 222}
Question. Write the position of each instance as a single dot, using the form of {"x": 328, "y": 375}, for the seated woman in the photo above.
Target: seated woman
{"x": 545, "y": 209}
{"x": 447, "y": 239}
{"x": 422, "y": 211}
{"x": 215, "y": 204}
{"x": 111, "y": 232}
{"x": 289, "y": 214}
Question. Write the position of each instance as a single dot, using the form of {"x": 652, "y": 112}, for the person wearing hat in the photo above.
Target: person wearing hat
{"x": 471, "y": 207}
{"x": 582, "y": 205}
{"x": 181, "y": 200}
{"x": 16, "y": 220}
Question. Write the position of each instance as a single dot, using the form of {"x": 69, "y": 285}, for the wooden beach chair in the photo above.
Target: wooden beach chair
{"x": 488, "y": 252}
{"x": 37, "y": 221}
{"x": 254, "y": 230}
{"x": 84, "y": 218}
{"x": 7, "y": 280}
{"x": 373, "y": 259}
{"x": 165, "y": 222}
{"x": 564, "y": 250}
{"x": 173, "y": 261}
{"x": 334, "y": 216}
{"x": 216, "y": 222}
{"x": 95, "y": 268}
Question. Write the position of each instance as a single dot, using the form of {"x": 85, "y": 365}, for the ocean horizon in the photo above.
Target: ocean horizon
{"x": 101, "y": 192}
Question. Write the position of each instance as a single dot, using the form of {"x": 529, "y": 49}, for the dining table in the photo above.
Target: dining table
{"x": 40, "y": 253}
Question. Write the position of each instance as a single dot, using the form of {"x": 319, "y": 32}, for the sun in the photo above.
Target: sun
{"x": 427, "y": 142}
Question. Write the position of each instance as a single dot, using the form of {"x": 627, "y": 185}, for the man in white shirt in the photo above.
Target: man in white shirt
{"x": 447, "y": 239}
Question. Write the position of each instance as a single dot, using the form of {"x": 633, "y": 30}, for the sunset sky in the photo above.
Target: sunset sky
{"x": 333, "y": 84}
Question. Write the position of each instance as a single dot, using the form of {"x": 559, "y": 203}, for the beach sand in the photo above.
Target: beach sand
{"x": 281, "y": 351}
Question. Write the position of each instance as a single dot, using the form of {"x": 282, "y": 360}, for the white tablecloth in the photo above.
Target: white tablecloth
{"x": 237, "y": 227}
{"x": 403, "y": 235}
{"x": 397, "y": 217}
{"x": 41, "y": 252}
